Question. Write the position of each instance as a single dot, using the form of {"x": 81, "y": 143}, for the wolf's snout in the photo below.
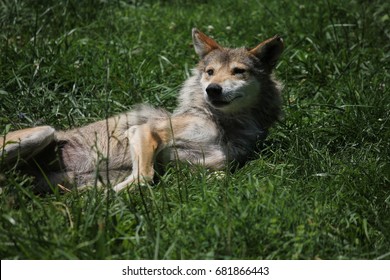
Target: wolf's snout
{"x": 214, "y": 91}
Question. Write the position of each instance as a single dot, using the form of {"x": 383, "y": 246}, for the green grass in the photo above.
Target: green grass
{"x": 319, "y": 190}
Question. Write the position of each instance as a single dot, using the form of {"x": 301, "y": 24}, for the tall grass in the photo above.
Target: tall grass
{"x": 320, "y": 188}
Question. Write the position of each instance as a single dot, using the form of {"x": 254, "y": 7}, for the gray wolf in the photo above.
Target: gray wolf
{"x": 224, "y": 108}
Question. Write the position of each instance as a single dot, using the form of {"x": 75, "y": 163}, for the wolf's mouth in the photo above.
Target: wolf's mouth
{"x": 218, "y": 103}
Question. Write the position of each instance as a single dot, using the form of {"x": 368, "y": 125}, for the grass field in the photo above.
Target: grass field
{"x": 319, "y": 190}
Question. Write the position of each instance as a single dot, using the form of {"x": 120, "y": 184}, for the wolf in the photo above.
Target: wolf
{"x": 224, "y": 109}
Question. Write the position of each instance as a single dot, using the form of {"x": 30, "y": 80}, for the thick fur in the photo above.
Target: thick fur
{"x": 224, "y": 109}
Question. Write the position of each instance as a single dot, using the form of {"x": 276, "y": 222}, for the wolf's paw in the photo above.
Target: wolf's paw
{"x": 130, "y": 183}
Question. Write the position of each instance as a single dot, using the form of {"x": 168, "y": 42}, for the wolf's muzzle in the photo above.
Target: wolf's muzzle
{"x": 214, "y": 95}
{"x": 214, "y": 91}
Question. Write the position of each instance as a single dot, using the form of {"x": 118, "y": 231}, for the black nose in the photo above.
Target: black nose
{"x": 214, "y": 90}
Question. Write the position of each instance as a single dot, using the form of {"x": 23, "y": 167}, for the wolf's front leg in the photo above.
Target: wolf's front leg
{"x": 144, "y": 144}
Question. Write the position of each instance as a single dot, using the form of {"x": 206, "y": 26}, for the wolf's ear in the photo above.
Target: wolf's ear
{"x": 202, "y": 43}
{"x": 269, "y": 50}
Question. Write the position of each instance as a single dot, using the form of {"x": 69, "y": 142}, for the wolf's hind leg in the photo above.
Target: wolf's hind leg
{"x": 144, "y": 144}
{"x": 25, "y": 143}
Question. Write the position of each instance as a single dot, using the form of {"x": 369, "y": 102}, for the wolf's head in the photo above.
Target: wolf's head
{"x": 232, "y": 79}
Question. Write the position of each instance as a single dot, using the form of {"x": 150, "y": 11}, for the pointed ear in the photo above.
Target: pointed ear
{"x": 269, "y": 50}
{"x": 202, "y": 43}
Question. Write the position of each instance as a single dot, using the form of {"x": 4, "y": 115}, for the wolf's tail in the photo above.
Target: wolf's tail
{"x": 24, "y": 144}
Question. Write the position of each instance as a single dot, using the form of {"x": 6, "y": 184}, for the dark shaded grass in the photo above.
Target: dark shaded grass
{"x": 320, "y": 188}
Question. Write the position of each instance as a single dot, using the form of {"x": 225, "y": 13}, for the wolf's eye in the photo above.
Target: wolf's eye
{"x": 237, "y": 71}
{"x": 210, "y": 72}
